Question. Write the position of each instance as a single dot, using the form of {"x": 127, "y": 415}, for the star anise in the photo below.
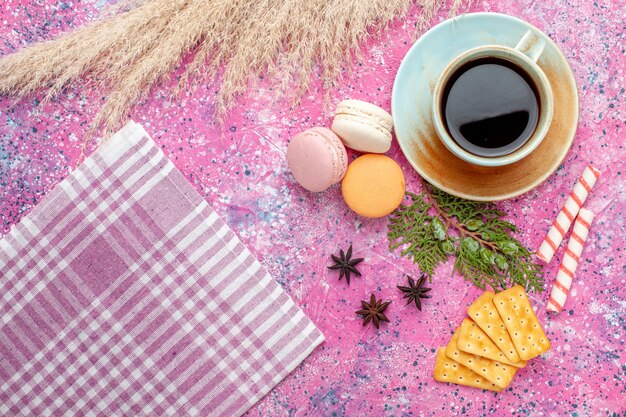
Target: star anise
{"x": 373, "y": 311}
{"x": 345, "y": 265}
{"x": 415, "y": 291}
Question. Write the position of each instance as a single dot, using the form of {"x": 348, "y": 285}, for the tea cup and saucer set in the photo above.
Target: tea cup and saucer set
{"x": 485, "y": 106}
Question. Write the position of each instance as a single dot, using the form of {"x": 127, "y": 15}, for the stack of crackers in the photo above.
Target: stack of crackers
{"x": 486, "y": 351}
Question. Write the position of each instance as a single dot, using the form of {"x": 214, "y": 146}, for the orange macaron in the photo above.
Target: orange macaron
{"x": 373, "y": 185}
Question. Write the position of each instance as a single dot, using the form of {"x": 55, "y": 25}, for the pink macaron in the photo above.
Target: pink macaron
{"x": 317, "y": 158}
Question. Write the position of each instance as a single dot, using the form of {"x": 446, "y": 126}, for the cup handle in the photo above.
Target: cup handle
{"x": 531, "y": 45}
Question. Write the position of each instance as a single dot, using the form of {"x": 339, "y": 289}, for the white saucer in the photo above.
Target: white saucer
{"x": 411, "y": 109}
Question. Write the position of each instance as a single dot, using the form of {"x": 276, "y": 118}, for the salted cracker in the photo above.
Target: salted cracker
{"x": 447, "y": 370}
{"x": 494, "y": 371}
{"x": 473, "y": 340}
{"x": 486, "y": 316}
{"x": 521, "y": 322}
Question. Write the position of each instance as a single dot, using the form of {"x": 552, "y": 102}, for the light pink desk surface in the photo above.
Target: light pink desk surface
{"x": 241, "y": 171}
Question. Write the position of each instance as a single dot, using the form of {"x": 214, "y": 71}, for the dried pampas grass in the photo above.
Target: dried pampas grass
{"x": 143, "y": 41}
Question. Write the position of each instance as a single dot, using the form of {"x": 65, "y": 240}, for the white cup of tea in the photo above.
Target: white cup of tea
{"x": 493, "y": 105}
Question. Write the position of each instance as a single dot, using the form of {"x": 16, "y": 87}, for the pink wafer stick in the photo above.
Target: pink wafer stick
{"x": 567, "y": 214}
{"x": 564, "y": 277}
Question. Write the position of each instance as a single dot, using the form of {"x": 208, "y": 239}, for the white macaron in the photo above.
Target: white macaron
{"x": 363, "y": 126}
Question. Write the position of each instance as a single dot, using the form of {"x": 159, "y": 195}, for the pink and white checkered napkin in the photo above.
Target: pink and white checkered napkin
{"x": 122, "y": 293}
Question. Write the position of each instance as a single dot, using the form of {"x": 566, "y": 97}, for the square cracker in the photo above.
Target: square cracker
{"x": 494, "y": 371}
{"x": 473, "y": 340}
{"x": 521, "y": 322}
{"x": 447, "y": 370}
{"x": 486, "y": 316}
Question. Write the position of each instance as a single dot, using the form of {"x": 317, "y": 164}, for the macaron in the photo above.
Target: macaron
{"x": 373, "y": 186}
{"x": 363, "y": 126}
{"x": 317, "y": 159}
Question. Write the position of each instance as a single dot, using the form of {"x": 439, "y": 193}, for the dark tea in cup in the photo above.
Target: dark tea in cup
{"x": 493, "y": 104}
{"x": 490, "y": 107}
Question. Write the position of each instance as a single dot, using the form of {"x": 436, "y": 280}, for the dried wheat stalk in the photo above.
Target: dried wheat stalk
{"x": 143, "y": 41}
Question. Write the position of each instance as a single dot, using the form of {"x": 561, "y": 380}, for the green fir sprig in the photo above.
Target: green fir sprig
{"x": 436, "y": 225}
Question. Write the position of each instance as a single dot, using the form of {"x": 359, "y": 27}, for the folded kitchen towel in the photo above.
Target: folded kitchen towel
{"x": 122, "y": 293}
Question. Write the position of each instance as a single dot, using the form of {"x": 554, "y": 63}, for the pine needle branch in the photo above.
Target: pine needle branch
{"x": 436, "y": 225}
